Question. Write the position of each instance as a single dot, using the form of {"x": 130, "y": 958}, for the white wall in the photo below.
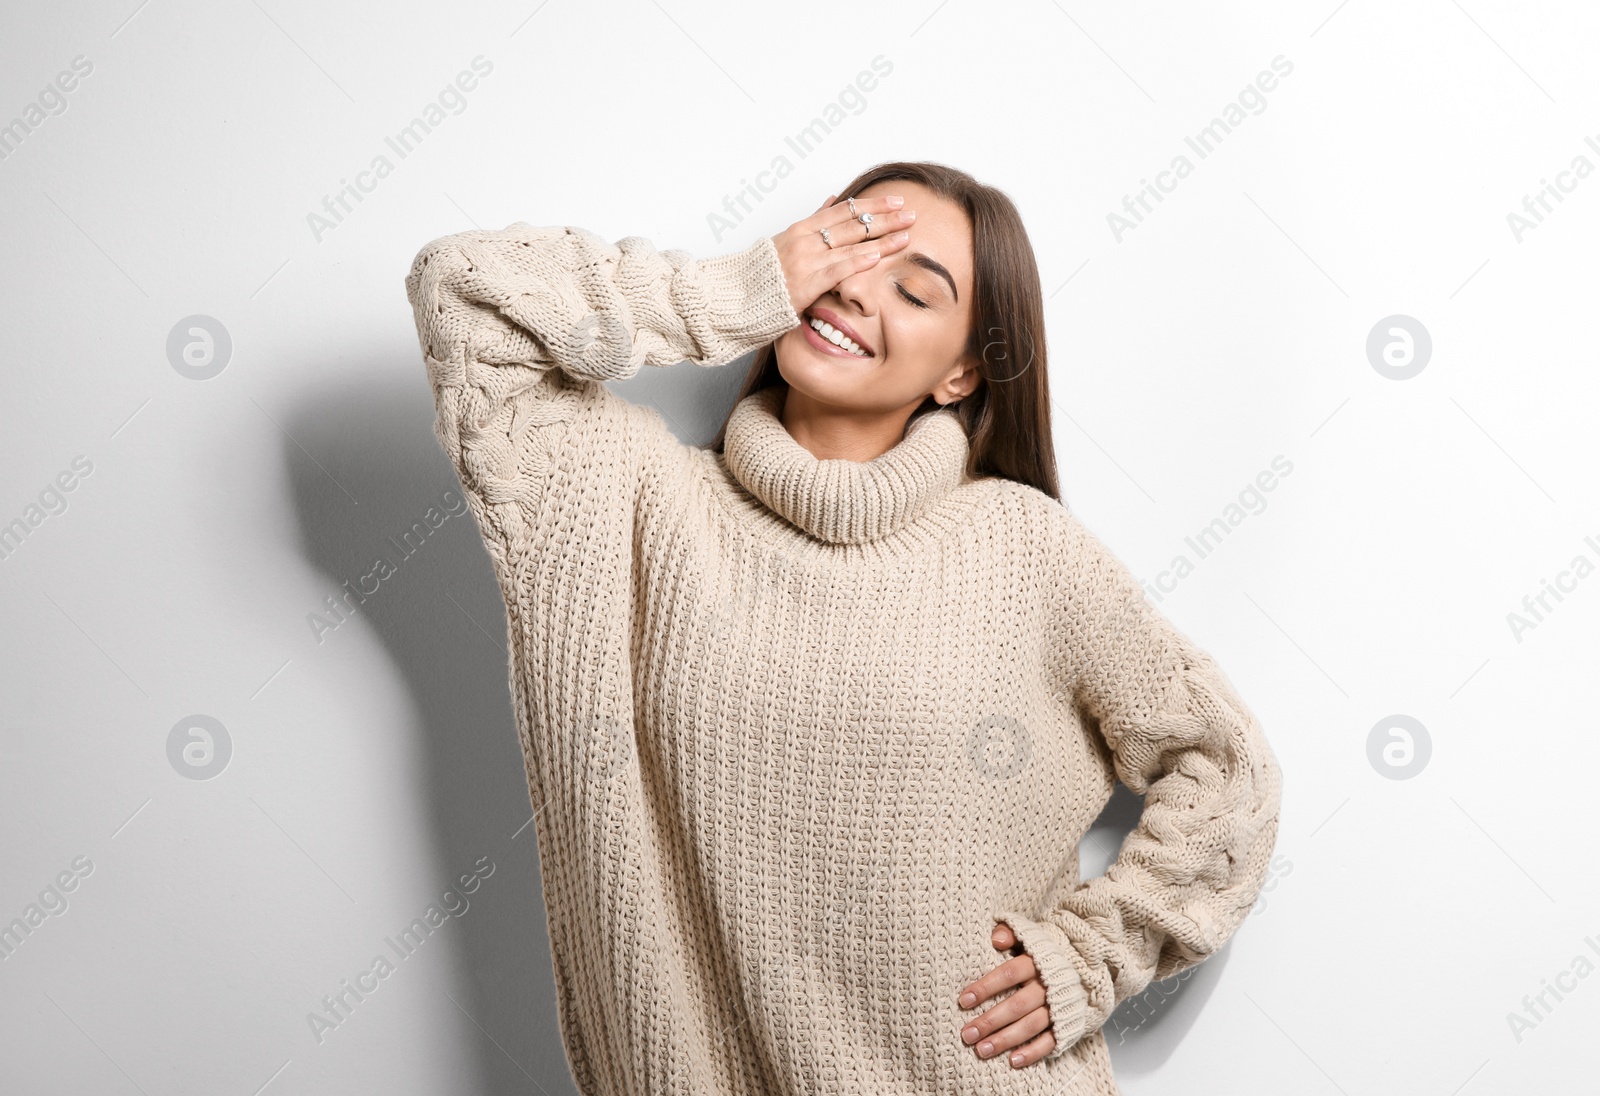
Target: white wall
{"x": 208, "y": 518}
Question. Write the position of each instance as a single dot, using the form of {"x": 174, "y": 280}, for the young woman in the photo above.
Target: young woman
{"x": 815, "y": 716}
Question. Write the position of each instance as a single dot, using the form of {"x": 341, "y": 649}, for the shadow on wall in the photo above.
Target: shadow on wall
{"x": 438, "y": 612}
{"x": 378, "y": 470}
{"x": 1145, "y": 1029}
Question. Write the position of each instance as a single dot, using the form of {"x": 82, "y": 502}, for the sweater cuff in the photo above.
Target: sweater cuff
{"x": 747, "y": 297}
{"x": 1052, "y": 956}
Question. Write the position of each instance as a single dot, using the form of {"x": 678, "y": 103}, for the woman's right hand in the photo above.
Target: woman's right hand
{"x": 811, "y": 267}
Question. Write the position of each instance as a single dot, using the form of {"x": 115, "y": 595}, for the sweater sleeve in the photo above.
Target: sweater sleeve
{"x": 1179, "y": 735}
{"x": 519, "y": 327}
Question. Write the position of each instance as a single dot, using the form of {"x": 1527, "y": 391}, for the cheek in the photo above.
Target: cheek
{"x": 927, "y": 339}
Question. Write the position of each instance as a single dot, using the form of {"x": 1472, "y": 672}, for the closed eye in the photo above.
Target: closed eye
{"x": 909, "y": 297}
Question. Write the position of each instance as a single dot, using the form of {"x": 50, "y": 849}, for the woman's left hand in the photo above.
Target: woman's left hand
{"x": 1021, "y": 1020}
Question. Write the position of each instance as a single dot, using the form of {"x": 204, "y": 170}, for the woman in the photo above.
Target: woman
{"x": 815, "y": 717}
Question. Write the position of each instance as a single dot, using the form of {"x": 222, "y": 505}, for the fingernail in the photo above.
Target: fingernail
{"x": 895, "y": 201}
{"x": 1016, "y": 1059}
{"x": 901, "y": 236}
{"x": 908, "y": 214}
{"x": 968, "y": 1000}
{"x": 970, "y": 1035}
{"x": 874, "y": 255}
{"x": 985, "y": 1049}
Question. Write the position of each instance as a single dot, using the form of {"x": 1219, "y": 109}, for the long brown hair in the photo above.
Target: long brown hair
{"x": 1007, "y": 417}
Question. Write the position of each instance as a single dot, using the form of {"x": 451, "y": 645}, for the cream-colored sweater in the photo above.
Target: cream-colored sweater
{"x": 799, "y": 731}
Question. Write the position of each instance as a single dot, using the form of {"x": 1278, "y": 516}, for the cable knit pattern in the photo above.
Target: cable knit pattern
{"x": 797, "y": 732}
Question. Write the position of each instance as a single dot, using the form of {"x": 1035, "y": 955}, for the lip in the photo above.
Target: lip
{"x": 830, "y": 317}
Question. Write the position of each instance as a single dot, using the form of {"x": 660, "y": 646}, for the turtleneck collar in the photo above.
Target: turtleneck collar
{"x": 843, "y": 501}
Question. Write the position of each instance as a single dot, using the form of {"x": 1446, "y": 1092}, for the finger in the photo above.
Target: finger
{"x": 853, "y": 259}
{"x": 1003, "y": 977}
{"x": 1013, "y": 1035}
{"x": 882, "y": 227}
{"x": 1034, "y": 1049}
{"x": 1009, "y": 1011}
{"x": 1003, "y": 938}
{"x": 838, "y": 213}
{"x": 850, "y": 229}
{"x": 848, "y": 258}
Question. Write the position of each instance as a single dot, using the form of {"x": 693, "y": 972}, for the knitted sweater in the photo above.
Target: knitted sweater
{"x": 797, "y": 732}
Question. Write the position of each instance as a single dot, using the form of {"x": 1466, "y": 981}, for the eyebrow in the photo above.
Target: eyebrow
{"x": 933, "y": 266}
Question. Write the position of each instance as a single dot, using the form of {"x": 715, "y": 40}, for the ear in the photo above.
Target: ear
{"x": 960, "y": 382}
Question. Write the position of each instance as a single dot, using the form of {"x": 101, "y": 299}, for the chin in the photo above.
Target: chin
{"x": 816, "y": 377}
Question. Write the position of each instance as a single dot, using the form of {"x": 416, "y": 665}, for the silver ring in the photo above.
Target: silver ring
{"x": 852, "y": 202}
{"x": 866, "y": 221}
{"x": 826, "y": 238}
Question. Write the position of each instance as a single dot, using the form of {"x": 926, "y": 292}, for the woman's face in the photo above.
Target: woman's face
{"x": 911, "y": 313}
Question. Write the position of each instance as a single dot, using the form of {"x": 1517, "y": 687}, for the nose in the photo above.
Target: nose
{"x": 856, "y": 291}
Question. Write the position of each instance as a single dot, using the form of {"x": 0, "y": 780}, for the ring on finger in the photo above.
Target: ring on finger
{"x": 827, "y": 237}
{"x": 852, "y": 204}
{"x": 866, "y": 222}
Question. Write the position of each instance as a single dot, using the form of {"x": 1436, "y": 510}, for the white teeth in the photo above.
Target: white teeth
{"x": 837, "y": 337}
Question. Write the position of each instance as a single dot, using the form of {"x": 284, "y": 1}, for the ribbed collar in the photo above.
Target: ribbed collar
{"x": 843, "y": 501}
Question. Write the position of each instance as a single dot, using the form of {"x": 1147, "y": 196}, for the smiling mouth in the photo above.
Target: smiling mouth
{"x": 830, "y": 334}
